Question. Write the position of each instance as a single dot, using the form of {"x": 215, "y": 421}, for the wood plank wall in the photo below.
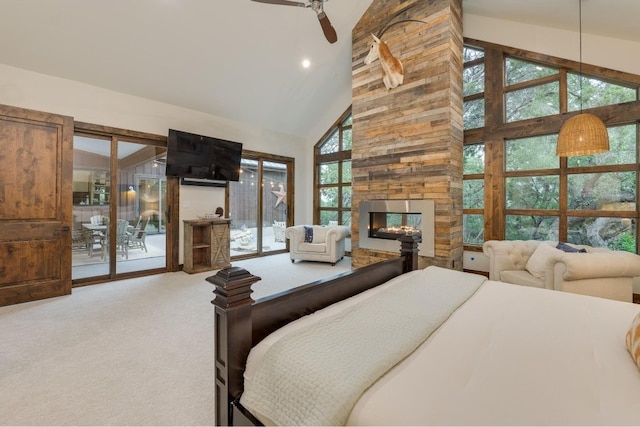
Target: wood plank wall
{"x": 407, "y": 141}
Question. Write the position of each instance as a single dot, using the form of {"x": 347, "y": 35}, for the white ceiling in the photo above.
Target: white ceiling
{"x": 236, "y": 59}
{"x": 617, "y": 19}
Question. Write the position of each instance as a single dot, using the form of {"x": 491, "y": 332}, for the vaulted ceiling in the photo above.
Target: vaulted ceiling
{"x": 237, "y": 59}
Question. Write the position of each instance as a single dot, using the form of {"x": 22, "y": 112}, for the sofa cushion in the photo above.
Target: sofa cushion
{"x": 633, "y": 340}
{"x": 308, "y": 234}
{"x": 521, "y": 277}
{"x": 537, "y": 262}
{"x": 320, "y": 234}
{"x": 312, "y": 247}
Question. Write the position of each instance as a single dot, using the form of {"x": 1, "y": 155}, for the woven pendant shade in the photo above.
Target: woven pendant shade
{"x": 581, "y": 135}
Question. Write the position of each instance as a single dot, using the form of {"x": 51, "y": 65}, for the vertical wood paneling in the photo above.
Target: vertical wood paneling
{"x": 407, "y": 141}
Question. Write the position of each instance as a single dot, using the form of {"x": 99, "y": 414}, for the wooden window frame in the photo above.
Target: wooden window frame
{"x": 496, "y": 131}
{"x": 340, "y": 156}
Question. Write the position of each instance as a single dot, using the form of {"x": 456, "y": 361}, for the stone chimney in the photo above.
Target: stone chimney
{"x": 407, "y": 141}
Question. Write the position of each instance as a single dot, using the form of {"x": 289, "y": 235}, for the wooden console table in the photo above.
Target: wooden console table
{"x": 206, "y": 244}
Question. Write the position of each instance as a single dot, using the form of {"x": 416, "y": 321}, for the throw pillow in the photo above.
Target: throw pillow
{"x": 633, "y": 340}
{"x": 537, "y": 262}
{"x": 308, "y": 234}
{"x": 568, "y": 248}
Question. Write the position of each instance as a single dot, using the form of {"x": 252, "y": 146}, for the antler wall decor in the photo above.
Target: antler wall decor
{"x": 391, "y": 65}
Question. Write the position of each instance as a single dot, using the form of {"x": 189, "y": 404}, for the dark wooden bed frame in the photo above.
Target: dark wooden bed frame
{"x": 240, "y": 323}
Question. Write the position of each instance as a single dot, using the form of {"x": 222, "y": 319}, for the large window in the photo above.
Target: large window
{"x": 515, "y": 103}
{"x": 332, "y": 200}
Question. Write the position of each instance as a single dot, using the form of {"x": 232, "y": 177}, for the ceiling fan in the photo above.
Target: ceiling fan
{"x": 316, "y": 6}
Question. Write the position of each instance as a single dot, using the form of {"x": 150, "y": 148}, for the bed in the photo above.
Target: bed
{"x": 501, "y": 354}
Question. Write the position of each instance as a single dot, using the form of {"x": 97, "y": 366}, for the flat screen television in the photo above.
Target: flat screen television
{"x": 202, "y": 157}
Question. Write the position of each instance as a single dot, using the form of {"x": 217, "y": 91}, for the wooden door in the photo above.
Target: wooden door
{"x": 36, "y": 167}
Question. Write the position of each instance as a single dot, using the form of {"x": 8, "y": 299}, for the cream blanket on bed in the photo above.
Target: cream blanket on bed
{"x": 315, "y": 375}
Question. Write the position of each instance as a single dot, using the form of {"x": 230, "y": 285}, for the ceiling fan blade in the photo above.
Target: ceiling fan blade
{"x": 283, "y": 2}
{"x": 327, "y": 28}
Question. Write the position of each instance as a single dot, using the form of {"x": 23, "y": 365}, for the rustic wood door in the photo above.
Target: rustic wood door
{"x": 36, "y": 166}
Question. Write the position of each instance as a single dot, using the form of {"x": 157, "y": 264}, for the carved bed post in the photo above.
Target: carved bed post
{"x": 409, "y": 250}
{"x": 233, "y": 331}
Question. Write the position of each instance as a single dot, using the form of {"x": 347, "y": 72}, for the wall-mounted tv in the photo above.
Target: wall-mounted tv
{"x": 202, "y": 157}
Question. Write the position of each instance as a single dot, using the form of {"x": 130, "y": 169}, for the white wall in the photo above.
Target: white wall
{"x": 99, "y": 106}
{"x": 596, "y": 50}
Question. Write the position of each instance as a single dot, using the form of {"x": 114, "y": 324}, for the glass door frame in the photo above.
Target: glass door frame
{"x": 115, "y": 135}
{"x": 290, "y": 191}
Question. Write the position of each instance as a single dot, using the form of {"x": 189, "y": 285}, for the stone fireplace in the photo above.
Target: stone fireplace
{"x": 385, "y": 221}
{"x": 407, "y": 141}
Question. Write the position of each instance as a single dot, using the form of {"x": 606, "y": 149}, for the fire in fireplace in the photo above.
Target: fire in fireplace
{"x": 392, "y": 225}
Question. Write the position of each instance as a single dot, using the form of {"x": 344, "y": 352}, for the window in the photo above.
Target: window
{"x": 531, "y": 90}
{"x": 332, "y": 200}
{"x": 473, "y": 88}
{"x": 595, "y": 93}
{"x": 510, "y": 149}
{"x": 518, "y": 71}
{"x": 473, "y": 191}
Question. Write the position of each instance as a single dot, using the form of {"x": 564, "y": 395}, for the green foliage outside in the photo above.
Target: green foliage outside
{"x": 473, "y": 159}
{"x": 595, "y": 93}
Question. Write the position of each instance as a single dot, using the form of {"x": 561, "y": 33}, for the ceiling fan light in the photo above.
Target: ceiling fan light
{"x": 581, "y": 135}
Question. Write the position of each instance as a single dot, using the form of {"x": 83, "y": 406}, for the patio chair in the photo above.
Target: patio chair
{"x": 139, "y": 234}
{"x": 138, "y": 221}
{"x": 78, "y": 241}
{"x": 278, "y": 231}
{"x": 122, "y": 238}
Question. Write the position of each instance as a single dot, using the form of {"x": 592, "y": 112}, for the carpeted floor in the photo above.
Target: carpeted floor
{"x": 278, "y": 273}
{"x": 132, "y": 352}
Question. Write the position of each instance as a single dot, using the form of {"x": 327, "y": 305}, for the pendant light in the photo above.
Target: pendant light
{"x": 583, "y": 133}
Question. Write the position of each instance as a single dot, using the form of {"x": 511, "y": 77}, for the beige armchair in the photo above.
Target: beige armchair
{"x": 598, "y": 271}
{"x": 322, "y": 243}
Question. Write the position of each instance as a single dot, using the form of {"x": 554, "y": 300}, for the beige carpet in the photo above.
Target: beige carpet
{"x": 132, "y": 352}
{"x": 278, "y": 273}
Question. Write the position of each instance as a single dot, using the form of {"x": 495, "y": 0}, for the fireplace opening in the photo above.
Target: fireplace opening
{"x": 382, "y": 222}
{"x": 392, "y": 225}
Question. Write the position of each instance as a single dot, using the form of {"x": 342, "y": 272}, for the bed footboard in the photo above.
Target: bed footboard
{"x": 240, "y": 323}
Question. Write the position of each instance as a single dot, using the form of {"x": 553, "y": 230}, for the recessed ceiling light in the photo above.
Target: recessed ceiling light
{"x": 306, "y": 63}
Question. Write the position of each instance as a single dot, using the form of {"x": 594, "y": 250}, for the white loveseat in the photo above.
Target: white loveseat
{"x": 598, "y": 271}
{"x": 324, "y": 243}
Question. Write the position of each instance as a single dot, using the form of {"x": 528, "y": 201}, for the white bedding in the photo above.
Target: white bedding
{"x": 320, "y": 367}
{"x": 511, "y": 355}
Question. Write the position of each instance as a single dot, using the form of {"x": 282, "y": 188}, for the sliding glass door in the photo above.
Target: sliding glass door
{"x": 91, "y": 200}
{"x": 260, "y": 205}
{"x": 244, "y": 202}
{"x": 140, "y": 209}
{"x": 119, "y": 199}
{"x": 275, "y": 205}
